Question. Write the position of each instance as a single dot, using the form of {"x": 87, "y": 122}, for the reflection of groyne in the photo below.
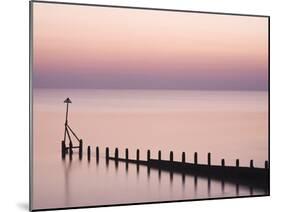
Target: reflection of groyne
{"x": 250, "y": 176}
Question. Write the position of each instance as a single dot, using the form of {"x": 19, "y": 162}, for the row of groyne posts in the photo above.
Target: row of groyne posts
{"x": 251, "y": 176}
{"x": 65, "y": 150}
{"x": 247, "y": 175}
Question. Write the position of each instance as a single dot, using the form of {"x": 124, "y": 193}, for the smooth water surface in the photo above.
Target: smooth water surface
{"x": 229, "y": 124}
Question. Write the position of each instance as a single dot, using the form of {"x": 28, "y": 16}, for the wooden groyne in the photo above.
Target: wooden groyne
{"x": 250, "y": 176}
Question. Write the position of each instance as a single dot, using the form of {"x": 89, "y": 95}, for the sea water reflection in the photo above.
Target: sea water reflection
{"x": 131, "y": 183}
{"x": 229, "y": 124}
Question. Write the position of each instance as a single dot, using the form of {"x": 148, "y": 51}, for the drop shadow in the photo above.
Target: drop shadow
{"x": 23, "y": 206}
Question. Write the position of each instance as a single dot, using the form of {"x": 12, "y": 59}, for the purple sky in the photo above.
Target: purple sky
{"x": 109, "y": 48}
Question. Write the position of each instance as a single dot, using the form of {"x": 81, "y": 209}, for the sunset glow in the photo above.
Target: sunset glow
{"x": 100, "y": 47}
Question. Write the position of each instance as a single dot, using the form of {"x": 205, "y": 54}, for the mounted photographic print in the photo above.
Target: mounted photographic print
{"x": 138, "y": 105}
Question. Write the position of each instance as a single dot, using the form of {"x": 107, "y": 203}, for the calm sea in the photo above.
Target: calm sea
{"x": 229, "y": 124}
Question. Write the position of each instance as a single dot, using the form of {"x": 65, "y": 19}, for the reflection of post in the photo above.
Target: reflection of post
{"x": 237, "y": 189}
{"x": 159, "y": 174}
{"x": 67, "y": 171}
{"x": 209, "y": 186}
{"x": 127, "y": 168}
{"x": 251, "y": 190}
{"x": 171, "y": 176}
{"x": 195, "y": 183}
{"x": 183, "y": 178}
{"x": 148, "y": 171}
{"x": 222, "y": 186}
{"x": 70, "y": 156}
{"x": 138, "y": 169}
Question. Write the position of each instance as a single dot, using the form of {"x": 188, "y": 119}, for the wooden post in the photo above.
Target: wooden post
{"x": 209, "y": 159}
{"x": 89, "y": 153}
{"x": 159, "y": 155}
{"x": 148, "y": 155}
{"x": 251, "y": 163}
{"x": 222, "y": 162}
{"x": 266, "y": 164}
{"x": 106, "y": 153}
{"x": 183, "y": 157}
{"x": 116, "y": 154}
{"x": 63, "y": 149}
{"x": 237, "y": 162}
{"x": 127, "y": 154}
{"x": 171, "y": 156}
{"x": 195, "y": 158}
{"x": 97, "y": 152}
{"x": 70, "y": 148}
{"x": 80, "y": 149}
{"x": 138, "y": 155}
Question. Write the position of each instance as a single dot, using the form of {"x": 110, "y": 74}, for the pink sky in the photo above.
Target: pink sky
{"x": 101, "y": 47}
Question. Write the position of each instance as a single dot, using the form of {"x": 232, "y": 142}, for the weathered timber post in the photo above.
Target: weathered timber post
{"x": 63, "y": 151}
{"x": 209, "y": 159}
{"x": 222, "y": 162}
{"x": 195, "y": 158}
{"x": 97, "y": 152}
{"x": 251, "y": 163}
{"x": 183, "y": 157}
{"x": 89, "y": 153}
{"x": 138, "y": 155}
{"x": 127, "y": 154}
{"x": 148, "y": 155}
{"x": 159, "y": 155}
{"x": 171, "y": 156}
{"x": 116, "y": 154}
{"x": 106, "y": 153}
{"x": 70, "y": 148}
{"x": 80, "y": 148}
{"x": 266, "y": 164}
{"x": 237, "y": 162}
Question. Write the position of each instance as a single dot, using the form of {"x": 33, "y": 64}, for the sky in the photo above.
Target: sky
{"x": 115, "y": 48}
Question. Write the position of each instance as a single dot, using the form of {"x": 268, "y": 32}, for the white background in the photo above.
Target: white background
{"x": 14, "y": 112}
